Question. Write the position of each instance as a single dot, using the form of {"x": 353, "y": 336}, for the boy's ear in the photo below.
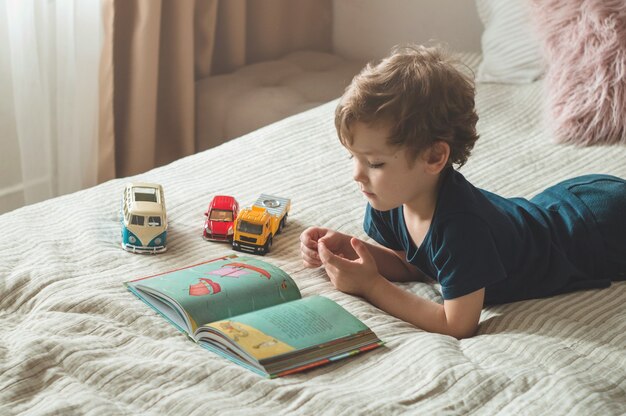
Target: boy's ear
{"x": 436, "y": 156}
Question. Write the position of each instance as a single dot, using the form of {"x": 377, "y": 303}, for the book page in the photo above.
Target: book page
{"x": 224, "y": 288}
{"x": 290, "y": 326}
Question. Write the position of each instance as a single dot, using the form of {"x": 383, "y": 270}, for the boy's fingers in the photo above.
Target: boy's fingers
{"x": 361, "y": 249}
{"x": 323, "y": 251}
{"x": 305, "y": 238}
{"x": 328, "y": 257}
{"x": 310, "y": 234}
{"x": 308, "y": 251}
{"x": 314, "y": 261}
{"x": 311, "y": 264}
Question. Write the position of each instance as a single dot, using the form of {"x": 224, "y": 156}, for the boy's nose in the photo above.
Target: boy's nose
{"x": 358, "y": 174}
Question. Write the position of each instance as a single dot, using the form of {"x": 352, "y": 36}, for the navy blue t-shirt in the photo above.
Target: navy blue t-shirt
{"x": 515, "y": 248}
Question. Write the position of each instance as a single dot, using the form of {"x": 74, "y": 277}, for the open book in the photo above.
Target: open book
{"x": 252, "y": 313}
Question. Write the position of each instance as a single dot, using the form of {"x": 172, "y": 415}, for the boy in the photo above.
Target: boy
{"x": 405, "y": 122}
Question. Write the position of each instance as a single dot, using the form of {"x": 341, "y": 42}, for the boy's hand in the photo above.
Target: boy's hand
{"x": 354, "y": 276}
{"x": 336, "y": 242}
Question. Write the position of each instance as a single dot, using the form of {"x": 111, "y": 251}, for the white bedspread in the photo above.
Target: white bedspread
{"x": 74, "y": 341}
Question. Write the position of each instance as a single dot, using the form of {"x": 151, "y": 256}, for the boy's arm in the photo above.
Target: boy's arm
{"x": 392, "y": 264}
{"x": 457, "y": 317}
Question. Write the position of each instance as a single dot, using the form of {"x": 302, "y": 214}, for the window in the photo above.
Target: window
{"x": 246, "y": 227}
{"x": 154, "y": 221}
{"x": 145, "y": 194}
{"x": 136, "y": 219}
{"x": 221, "y": 215}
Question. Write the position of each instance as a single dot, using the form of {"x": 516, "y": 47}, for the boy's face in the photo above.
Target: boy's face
{"x": 383, "y": 172}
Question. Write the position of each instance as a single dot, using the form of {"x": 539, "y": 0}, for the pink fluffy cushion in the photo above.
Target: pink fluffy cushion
{"x": 585, "y": 45}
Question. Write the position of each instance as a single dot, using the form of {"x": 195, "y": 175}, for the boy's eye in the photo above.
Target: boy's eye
{"x": 369, "y": 165}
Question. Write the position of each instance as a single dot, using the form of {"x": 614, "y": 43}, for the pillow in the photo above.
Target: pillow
{"x": 585, "y": 82}
{"x": 511, "y": 50}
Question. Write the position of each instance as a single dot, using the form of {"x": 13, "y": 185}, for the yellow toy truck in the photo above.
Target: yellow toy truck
{"x": 256, "y": 226}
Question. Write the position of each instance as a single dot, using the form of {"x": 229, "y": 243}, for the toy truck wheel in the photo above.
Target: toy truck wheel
{"x": 267, "y": 246}
{"x": 282, "y": 224}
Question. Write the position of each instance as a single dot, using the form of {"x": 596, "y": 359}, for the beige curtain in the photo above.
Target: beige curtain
{"x": 154, "y": 52}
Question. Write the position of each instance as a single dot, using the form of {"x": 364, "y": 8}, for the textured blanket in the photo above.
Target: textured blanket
{"x": 73, "y": 340}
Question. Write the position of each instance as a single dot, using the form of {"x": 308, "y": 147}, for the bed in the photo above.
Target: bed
{"x": 75, "y": 341}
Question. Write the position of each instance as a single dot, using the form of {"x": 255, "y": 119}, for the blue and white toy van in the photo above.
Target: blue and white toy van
{"x": 144, "y": 220}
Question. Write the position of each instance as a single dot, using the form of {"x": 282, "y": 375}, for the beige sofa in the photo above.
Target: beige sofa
{"x": 231, "y": 105}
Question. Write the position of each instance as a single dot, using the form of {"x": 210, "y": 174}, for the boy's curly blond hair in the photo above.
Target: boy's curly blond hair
{"x": 424, "y": 95}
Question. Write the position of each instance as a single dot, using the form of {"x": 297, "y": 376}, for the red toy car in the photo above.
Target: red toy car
{"x": 220, "y": 215}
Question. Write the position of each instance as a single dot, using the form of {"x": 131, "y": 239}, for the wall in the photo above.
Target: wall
{"x": 367, "y": 29}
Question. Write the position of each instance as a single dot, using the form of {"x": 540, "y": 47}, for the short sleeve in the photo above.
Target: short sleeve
{"x": 382, "y": 227}
{"x": 466, "y": 257}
